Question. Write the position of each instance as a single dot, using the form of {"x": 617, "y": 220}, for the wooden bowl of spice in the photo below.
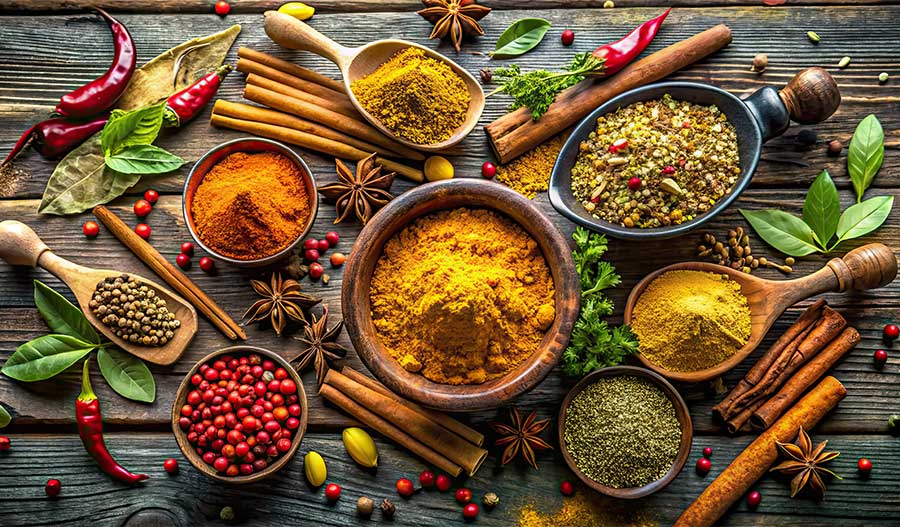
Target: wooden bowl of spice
{"x": 625, "y": 431}
{"x": 460, "y": 295}
{"x": 250, "y": 201}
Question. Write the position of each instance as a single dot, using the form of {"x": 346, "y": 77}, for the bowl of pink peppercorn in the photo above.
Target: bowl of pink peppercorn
{"x": 240, "y": 414}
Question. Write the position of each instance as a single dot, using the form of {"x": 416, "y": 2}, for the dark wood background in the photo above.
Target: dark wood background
{"x": 45, "y": 54}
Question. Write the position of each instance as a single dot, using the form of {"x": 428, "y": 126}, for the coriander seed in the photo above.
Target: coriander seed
{"x": 883, "y": 77}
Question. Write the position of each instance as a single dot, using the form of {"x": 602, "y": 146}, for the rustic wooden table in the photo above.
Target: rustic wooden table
{"x": 44, "y": 54}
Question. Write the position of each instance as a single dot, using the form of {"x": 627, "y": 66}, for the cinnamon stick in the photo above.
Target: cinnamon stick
{"x": 172, "y": 276}
{"x": 335, "y": 120}
{"x": 804, "y": 378}
{"x": 336, "y": 105}
{"x": 326, "y": 146}
{"x": 388, "y": 430}
{"x": 265, "y": 115}
{"x": 755, "y": 460}
{"x": 736, "y": 422}
{"x": 456, "y": 449}
{"x": 249, "y": 66}
{"x": 469, "y": 434}
{"x": 516, "y": 133}
{"x": 290, "y": 68}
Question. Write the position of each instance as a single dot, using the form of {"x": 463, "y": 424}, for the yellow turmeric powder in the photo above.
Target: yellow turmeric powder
{"x": 415, "y": 96}
{"x": 691, "y": 320}
{"x": 462, "y": 296}
{"x": 530, "y": 173}
{"x": 583, "y": 510}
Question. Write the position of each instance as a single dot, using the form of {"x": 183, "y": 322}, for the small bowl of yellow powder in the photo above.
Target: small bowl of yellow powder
{"x": 460, "y": 295}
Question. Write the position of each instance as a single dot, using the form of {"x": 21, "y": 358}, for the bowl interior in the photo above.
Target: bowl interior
{"x": 191, "y": 454}
{"x": 248, "y": 145}
{"x": 749, "y": 147}
{"x": 401, "y": 212}
{"x": 681, "y": 412}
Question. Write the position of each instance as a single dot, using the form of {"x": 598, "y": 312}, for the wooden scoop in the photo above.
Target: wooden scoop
{"x": 867, "y": 267}
{"x": 19, "y": 245}
{"x": 356, "y": 63}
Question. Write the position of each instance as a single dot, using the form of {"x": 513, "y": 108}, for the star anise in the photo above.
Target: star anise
{"x": 364, "y": 192}
{"x": 321, "y": 348}
{"x": 805, "y": 463}
{"x": 454, "y": 18}
{"x": 521, "y": 436}
{"x": 281, "y": 300}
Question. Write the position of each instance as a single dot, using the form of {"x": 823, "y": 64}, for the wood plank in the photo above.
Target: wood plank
{"x": 192, "y": 499}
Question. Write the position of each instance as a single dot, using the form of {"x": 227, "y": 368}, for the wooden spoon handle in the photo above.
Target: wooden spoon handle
{"x": 867, "y": 267}
{"x": 811, "y": 96}
{"x": 290, "y": 33}
{"x": 19, "y": 245}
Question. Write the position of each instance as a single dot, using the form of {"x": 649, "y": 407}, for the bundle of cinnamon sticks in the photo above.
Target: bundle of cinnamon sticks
{"x": 435, "y": 437}
{"x": 309, "y": 110}
{"x": 808, "y": 349}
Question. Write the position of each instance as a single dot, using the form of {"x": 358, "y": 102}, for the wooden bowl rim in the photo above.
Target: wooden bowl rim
{"x": 188, "y": 451}
{"x": 246, "y": 145}
{"x": 356, "y": 303}
{"x": 681, "y": 411}
{"x": 718, "y": 369}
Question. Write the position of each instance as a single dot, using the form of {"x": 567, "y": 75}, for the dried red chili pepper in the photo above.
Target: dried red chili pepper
{"x": 186, "y": 104}
{"x": 90, "y": 428}
{"x": 56, "y": 137}
{"x": 100, "y": 94}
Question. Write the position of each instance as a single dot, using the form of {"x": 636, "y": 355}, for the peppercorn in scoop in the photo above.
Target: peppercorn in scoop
{"x": 134, "y": 311}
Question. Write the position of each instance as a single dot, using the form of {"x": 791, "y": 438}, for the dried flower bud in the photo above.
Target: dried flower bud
{"x": 486, "y": 75}
{"x": 834, "y": 148}
{"x": 388, "y": 509}
{"x": 760, "y": 63}
{"x": 490, "y": 500}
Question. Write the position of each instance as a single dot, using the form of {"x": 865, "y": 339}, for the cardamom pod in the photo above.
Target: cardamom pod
{"x": 315, "y": 469}
{"x": 360, "y": 446}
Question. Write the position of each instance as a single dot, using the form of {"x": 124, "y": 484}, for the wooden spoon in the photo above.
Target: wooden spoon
{"x": 867, "y": 267}
{"x": 356, "y": 63}
{"x": 19, "y": 245}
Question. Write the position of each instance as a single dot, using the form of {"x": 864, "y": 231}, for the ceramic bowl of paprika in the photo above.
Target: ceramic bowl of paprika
{"x": 250, "y": 145}
{"x": 681, "y": 413}
{"x": 810, "y": 97}
{"x": 190, "y": 451}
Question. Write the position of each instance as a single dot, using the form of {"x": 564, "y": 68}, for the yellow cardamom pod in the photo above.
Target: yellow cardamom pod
{"x": 315, "y": 469}
{"x": 298, "y": 10}
{"x": 360, "y": 446}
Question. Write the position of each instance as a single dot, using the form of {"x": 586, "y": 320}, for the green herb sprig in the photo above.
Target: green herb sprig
{"x": 594, "y": 344}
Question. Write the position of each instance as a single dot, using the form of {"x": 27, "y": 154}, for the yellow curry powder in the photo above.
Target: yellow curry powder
{"x": 583, "y": 510}
{"x": 691, "y": 320}
{"x": 530, "y": 173}
{"x": 462, "y": 296}
{"x": 415, "y": 96}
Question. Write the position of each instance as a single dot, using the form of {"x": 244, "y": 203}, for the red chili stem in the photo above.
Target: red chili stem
{"x": 100, "y": 94}
{"x": 90, "y": 428}
{"x": 186, "y": 104}
{"x": 56, "y": 137}
{"x": 619, "y": 54}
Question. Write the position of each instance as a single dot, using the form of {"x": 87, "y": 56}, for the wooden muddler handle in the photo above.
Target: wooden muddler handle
{"x": 172, "y": 276}
{"x": 755, "y": 460}
{"x": 370, "y": 419}
{"x": 516, "y": 133}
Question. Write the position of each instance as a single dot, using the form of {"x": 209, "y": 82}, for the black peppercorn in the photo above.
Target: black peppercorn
{"x": 807, "y": 137}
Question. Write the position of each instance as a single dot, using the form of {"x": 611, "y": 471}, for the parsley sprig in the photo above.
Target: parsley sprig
{"x": 594, "y": 344}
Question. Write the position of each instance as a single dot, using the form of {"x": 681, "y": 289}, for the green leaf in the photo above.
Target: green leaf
{"x": 785, "y": 232}
{"x": 126, "y": 374}
{"x": 45, "y": 357}
{"x": 865, "y": 155}
{"x": 822, "y": 208}
{"x": 135, "y": 127}
{"x": 143, "y": 159}
{"x": 863, "y": 218}
{"x": 5, "y": 418}
{"x": 61, "y": 315}
{"x": 81, "y": 181}
{"x": 520, "y": 37}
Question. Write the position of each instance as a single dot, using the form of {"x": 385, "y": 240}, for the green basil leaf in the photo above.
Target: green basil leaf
{"x": 822, "y": 208}
{"x": 5, "y": 418}
{"x": 863, "y": 218}
{"x": 135, "y": 127}
{"x": 143, "y": 159}
{"x": 865, "y": 154}
{"x": 81, "y": 181}
{"x": 126, "y": 374}
{"x": 785, "y": 232}
{"x": 61, "y": 315}
{"x": 520, "y": 37}
{"x": 45, "y": 357}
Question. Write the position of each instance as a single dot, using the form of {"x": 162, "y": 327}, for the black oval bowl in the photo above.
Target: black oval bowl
{"x": 740, "y": 115}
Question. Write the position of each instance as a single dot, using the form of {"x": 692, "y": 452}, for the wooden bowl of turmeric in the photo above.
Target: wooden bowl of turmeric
{"x": 460, "y": 295}
{"x": 250, "y": 201}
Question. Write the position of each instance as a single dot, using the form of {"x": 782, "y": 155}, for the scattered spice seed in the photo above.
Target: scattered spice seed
{"x": 845, "y": 61}
{"x": 813, "y": 37}
{"x": 703, "y": 466}
{"x": 388, "y": 509}
{"x": 54, "y": 487}
{"x": 883, "y": 77}
{"x": 567, "y": 37}
{"x": 890, "y": 332}
{"x": 365, "y": 506}
{"x": 760, "y": 63}
{"x": 880, "y": 357}
{"x": 754, "y": 499}
{"x": 134, "y": 311}
{"x": 834, "y": 148}
{"x": 566, "y": 488}
{"x": 486, "y": 75}
{"x": 864, "y": 466}
{"x": 609, "y": 4}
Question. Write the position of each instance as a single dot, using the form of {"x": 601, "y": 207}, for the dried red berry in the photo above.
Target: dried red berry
{"x": 634, "y": 184}
{"x": 222, "y": 8}
{"x": 143, "y": 230}
{"x": 880, "y": 357}
{"x": 470, "y": 511}
{"x": 426, "y": 479}
{"x": 488, "y": 169}
{"x": 443, "y": 482}
{"x": 171, "y": 466}
{"x": 187, "y": 248}
{"x": 463, "y": 495}
{"x": 864, "y": 466}
{"x": 90, "y": 229}
{"x": 707, "y": 452}
{"x": 338, "y": 259}
{"x": 53, "y": 488}
{"x": 566, "y": 488}
{"x": 568, "y": 36}
{"x": 5, "y": 443}
{"x": 152, "y": 196}
{"x": 332, "y": 492}
{"x": 142, "y": 208}
{"x": 703, "y": 466}
{"x": 183, "y": 261}
{"x": 891, "y": 332}
{"x": 332, "y": 238}
{"x": 316, "y": 270}
{"x": 207, "y": 264}
{"x": 754, "y": 499}
{"x": 405, "y": 487}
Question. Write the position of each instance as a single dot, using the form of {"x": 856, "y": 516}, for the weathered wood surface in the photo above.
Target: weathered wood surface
{"x": 39, "y": 62}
